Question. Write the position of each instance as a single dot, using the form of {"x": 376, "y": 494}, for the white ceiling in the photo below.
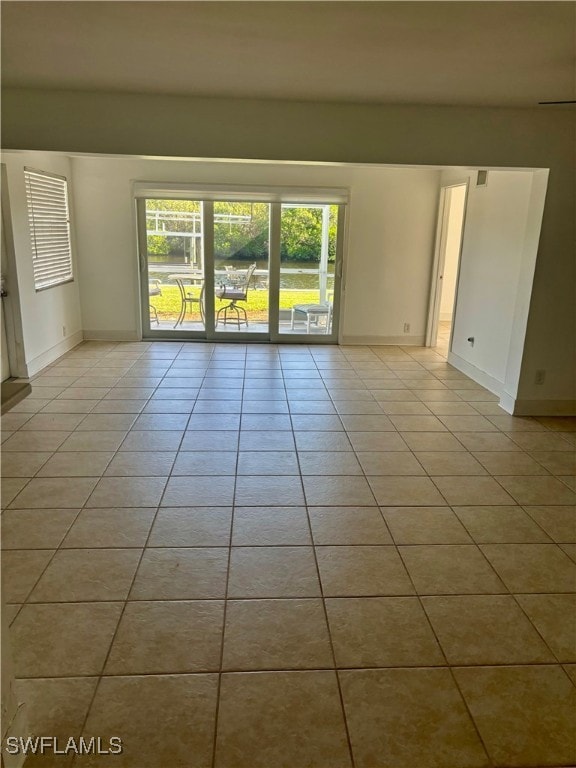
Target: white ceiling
{"x": 452, "y": 53}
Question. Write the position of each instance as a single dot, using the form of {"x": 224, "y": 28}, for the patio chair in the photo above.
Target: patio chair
{"x": 154, "y": 289}
{"x": 311, "y": 314}
{"x": 234, "y": 293}
{"x": 188, "y": 300}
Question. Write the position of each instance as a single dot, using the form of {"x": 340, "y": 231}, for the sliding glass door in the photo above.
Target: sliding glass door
{"x": 240, "y": 269}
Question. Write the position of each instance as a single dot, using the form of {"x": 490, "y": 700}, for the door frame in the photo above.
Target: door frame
{"x": 11, "y": 302}
{"x": 436, "y": 284}
{"x": 210, "y": 333}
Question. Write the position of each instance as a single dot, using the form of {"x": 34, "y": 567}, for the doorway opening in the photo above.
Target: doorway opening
{"x": 444, "y": 286}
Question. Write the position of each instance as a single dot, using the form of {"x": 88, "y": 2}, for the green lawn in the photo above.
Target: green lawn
{"x": 168, "y": 303}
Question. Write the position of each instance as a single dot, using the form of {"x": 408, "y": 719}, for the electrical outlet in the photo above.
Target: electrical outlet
{"x": 540, "y": 376}
{"x": 406, "y": 327}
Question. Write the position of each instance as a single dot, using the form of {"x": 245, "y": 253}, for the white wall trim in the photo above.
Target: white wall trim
{"x": 404, "y": 340}
{"x": 543, "y": 407}
{"x": 112, "y": 336}
{"x": 476, "y": 374}
{"x": 41, "y": 361}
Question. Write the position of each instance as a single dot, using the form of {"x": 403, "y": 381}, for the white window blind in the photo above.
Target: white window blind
{"x": 49, "y": 220}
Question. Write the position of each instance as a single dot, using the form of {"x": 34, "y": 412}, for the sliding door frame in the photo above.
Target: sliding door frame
{"x": 210, "y": 334}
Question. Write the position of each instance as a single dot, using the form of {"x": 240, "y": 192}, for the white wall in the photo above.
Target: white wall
{"x": 456, "y": 197}
{"x": 51, "y": 319}
{"x": 391, "y": 226}
{"x": 495, "y": 278}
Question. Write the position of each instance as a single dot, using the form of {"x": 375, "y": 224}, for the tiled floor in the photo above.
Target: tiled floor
{"x": 288, "y": 557}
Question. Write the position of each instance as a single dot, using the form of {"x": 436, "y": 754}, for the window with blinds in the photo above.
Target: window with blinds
{"x": 49, "y": 220}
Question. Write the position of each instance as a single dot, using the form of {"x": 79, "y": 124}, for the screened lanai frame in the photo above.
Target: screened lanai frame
{"x": 275, "y": 197}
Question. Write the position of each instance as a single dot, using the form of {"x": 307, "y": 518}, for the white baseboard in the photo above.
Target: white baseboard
{"x": 476, "y": 374}
{"x": 112, "y": 336}
{"x": 41, "y": 361}
{"x": 544, "y": 408}
{"x": 376, "y": 341}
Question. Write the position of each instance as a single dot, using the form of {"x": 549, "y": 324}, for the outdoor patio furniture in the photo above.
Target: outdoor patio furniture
{"x": 188, "y": 301}
{"x": 234, "y": 293}
{"x": 154, "y": 289}
{"x": 311, "y": 314}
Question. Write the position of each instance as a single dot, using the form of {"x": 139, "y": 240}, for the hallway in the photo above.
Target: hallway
{"x": 258, "y": 556}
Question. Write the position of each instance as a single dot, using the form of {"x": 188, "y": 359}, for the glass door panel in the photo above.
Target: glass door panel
{"x": 175, "y": 266}
{"x": 308, "y": 251}
{"x": 241, "y": 267}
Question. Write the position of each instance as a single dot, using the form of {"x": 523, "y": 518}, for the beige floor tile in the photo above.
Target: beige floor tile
{"x": 557, "y": 462}
{"x": 164, "y": 720}
{"x": 405, "y": 491}
{"x": 425, "y": 525}
{"x": 459, "y": 490}
{"x": 209, "y": 463}
{"x": 82, "y": 464}
{"x": 537, "y": 490}
{"x": 102, "y": 422}
{"x": 338, "y": 489}
{"x": 444, "y": 408}
{"x": 127, "y": 492}
{"x": 334, "y": 463}
{"x": 450, "y": 570}
{"x": 485, "y": 629}
{"x": 315, "y": 441}
{"x": 267, "y": 463}
{"x": 449, "y": 463}
{"x": 10, "y": 488}
{"x": 48, "y": 493}
{"x": 509, "y": 463}
{"x": 558, "y": 423}
{"x": 500, "y": 524}
{"x": 431, "y": 441}
{"x": 276, "y": 634}
{"x": 378, "y": 463}
{"x": 35, "y": 528}
{"x": 554, "y": 616}
{"x": 197, "y": 490}
{"x": 570, "y": 670}
{"x": 63, "y": 639}
{"x": 269, "y": 491}
{"x": 348, "y": 525}
{"x": 525, "y": 715}
{"x": 487, "y": 441}
{"x": 558, "y": 522}
{"x": 93, "y": 441}
{"x": 541, "y": 441}
{"x": 192, "y": 527}
{"x": 377, "y": 441}
{"x": 21, "y": 569}
{"x": 382, "y": 632}
{"x": 273, "y": 572}
{"x": 281, "y": 719}
{"x": 368, "y": 423}
{"x": 403, "y": 718}
{"x": 58, "y": 422}
{"x": 152, "y": 441}
{"x": 475, "y": 423}
{"x": 256, "y": 526}
{"x": 56, "y": 706}
{"x": 362, "y": 571}
{"x": 532, "y": 567}
{"x": 141, "y": 464}
{"x": 87, "y": 574}
{"x": 167, "y": 637}
{"x": 23, "y": 463}
{"x": 570, "y": 550}
{"x": 110, "y": 528}
{"x": 417, "y": 423}
{"x": 181, "y": 574}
